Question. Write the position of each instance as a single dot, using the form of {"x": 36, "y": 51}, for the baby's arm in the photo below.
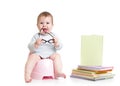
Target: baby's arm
{"x": 31, "y": 45}
{"x": 38, "y": 42}
{"x": 34, "y": 43}
{"x": 57, "y": 43}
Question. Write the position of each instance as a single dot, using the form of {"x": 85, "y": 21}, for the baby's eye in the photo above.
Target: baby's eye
{"x": 41, "y": 22}
{"x": 48, "y": 23}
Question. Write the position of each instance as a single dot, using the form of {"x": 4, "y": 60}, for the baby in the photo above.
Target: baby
{"x": 44, "y": 46}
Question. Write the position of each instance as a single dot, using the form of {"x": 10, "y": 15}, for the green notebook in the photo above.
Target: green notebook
{"x": 91, "y": 50}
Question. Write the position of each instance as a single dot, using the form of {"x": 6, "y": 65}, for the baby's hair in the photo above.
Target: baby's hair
{"x": 45, "y": 14}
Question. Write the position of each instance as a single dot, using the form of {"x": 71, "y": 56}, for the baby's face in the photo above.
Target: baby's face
{"x": 45, "y": 24}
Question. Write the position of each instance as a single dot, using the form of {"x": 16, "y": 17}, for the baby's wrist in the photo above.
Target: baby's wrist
{"x": 35, "y": 45}
{"x": 56, "y": 45}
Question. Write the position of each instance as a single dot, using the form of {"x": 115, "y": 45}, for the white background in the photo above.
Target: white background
{"x": 72, "y": 18}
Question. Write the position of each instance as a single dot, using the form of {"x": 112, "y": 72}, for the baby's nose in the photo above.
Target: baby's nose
{"x": 44, "y": 24}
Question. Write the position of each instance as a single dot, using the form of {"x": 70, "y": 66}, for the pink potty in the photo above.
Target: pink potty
{"x": 43, "y": 70}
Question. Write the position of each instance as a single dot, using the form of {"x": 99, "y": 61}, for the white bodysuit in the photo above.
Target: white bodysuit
{"x": 46, "y": 48}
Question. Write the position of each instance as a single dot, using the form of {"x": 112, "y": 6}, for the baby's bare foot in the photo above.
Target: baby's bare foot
{"x": 60, "y": 75}
{"x": 28, "y": 79}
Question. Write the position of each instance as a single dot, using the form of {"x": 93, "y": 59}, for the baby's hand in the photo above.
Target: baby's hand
{"x": 38, "y": 42}
{"x": 56, "y": 44}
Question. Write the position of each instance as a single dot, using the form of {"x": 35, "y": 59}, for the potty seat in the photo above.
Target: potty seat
{"x": 43, "y": 70}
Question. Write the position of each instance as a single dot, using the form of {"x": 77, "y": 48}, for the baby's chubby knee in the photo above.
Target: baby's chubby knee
{"x": 34, "y": 56}
{"x": 54, "y": 56}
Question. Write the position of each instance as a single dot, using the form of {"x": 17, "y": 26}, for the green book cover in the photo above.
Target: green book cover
{"x": 89, "y": 73}
{"x": 83, "y": 71}
{"x": 91, "y": 50}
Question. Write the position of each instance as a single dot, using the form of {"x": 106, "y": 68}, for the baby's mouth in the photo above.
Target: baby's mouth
{"x": 45, "y": 30}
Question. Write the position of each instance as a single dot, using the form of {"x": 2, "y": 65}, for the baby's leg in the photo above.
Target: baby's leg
{"x": 31, "y": 61}
{"x": 57, "y": 65}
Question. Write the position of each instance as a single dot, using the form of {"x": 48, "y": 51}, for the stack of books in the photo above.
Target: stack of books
{"x": 92, "y": 72}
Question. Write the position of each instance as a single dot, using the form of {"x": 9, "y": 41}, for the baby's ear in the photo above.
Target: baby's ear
{"x": 53, "y": 25}
{"x": 37, "y": 24}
